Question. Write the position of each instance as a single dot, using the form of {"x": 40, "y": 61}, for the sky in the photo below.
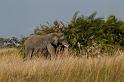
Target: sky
{"x": 19, "y": 17}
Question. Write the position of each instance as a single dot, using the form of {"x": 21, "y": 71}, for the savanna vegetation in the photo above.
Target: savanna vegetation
{"x": 89, "y": 33}
{"x": 88, "y": 36}
{"x": 63, "y": 69}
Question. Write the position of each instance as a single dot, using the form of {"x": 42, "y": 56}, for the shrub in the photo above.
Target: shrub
{"x": 83, "y": 30}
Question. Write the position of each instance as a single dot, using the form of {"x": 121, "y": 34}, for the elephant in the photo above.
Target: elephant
{"x": 46, "y": 44}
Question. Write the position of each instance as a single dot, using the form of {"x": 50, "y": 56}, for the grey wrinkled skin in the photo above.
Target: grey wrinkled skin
{"x": 46, "y": 44}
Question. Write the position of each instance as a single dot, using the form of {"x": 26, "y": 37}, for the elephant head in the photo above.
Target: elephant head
{"x": 59, "y": 39}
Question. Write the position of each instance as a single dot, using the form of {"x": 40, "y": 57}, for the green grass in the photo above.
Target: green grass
{"x": 62, "y": 69}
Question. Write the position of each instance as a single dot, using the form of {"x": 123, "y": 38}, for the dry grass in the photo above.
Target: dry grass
{"x": 68, "y": 69}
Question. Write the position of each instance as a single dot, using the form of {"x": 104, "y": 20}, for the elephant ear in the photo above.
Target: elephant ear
{"x": 55, "y": 40}
{"x": 60, "y": 35}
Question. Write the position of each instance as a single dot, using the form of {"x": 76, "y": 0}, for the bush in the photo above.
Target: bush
{"x": 82, "y": 31}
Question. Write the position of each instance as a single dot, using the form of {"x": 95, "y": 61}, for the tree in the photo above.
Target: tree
{"x": 84, "y": 30}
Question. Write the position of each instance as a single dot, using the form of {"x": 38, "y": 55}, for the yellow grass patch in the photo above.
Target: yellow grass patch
{"x": 68, "y": 69}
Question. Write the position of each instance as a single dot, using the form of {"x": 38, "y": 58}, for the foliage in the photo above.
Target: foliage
{"x": 57, "y": 26}
{"x": 10, "y": 42}
{"x": 85, "y": 30}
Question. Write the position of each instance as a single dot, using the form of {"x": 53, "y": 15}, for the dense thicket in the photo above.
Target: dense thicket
{"x": 85, "y": 31}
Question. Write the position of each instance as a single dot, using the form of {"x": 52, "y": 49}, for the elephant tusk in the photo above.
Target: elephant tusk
{"x": 66, "y": 45}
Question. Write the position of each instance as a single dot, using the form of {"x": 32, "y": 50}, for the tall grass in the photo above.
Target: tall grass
{"x": 69, "y": 69}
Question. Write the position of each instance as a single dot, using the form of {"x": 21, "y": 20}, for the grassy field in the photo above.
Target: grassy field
{"x": 67, "y": 69}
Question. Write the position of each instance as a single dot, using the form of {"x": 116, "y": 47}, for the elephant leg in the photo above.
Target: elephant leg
{"x": 31, "y": 54}
{"x": 51, "y": 50}
{"x": 65, "y": 51}
{"x": 26, "y": 52}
